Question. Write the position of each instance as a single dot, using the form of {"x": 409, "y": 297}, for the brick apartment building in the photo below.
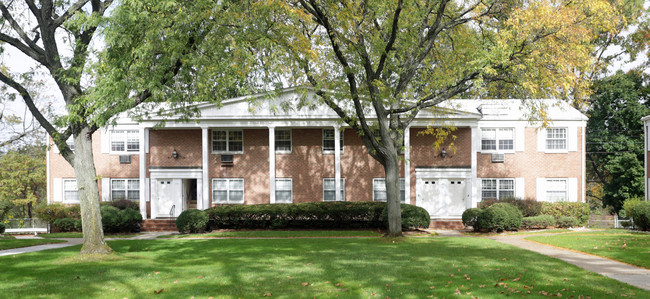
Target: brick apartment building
{"x": 247, "y": 152}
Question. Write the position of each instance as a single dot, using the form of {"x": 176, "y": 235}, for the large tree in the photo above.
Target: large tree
{"x": 376, "y": 63}
{"x": 615, "y": 135}
{"x": 54, "y": 39}
{"x": 22, "y": 179}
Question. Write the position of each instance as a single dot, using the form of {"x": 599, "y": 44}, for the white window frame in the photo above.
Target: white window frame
{"x": 69, "y": 186}
{"x": 376, "y": 183}
{"x": 227, "y": 140}
{"x": 126, "y": 188}
{"x": 333, "y": 183}
{"x": 277, "y": 139}
{"x": 290, "y": 190}
{"x": 497, "y": 140}
{"x": 498, "y": 189}
{"x": 228, "y": 190}
{"x": 328, "y": 139}
{"x": 548, "y": 191}
{"x": 551, "y": 135}
{"x": 126, "y": 138}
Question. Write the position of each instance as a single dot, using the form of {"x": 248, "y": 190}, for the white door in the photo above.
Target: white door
{"x": 166, "y": 198}
{"x": 442, "y": 198}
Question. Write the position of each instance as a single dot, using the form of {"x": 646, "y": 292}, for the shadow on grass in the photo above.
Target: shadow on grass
{"x": 351, "y": 268}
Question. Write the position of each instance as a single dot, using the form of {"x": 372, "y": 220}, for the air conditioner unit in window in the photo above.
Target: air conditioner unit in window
{"x": 498, "y": 158}
{"x": 226, "y": 159}
{"x": 125, "y": 159}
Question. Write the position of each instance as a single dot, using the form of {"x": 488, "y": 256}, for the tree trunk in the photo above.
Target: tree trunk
{"x": 91, "y": 218}
{"x": 391, "y": 168}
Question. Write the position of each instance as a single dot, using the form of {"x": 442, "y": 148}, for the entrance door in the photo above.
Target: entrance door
{"x": 442, "y": 197}
{"x": 166, "y": 195}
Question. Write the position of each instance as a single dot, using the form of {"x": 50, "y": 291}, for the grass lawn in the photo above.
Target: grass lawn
{"x": 523, "y": 232}
{"x": 281, "y": 234}
{"x": 303, "y": 268}
{"x": 607, "y": 243}
{"x": 10, "y": 243}
{"x": 80, "y": 235}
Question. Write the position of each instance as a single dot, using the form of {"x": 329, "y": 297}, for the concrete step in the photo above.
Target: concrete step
{"x": 455, "y": 224}
{"x": 157, "y": 225}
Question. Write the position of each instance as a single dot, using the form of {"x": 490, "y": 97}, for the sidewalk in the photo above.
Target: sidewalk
{"x": 72, "y": 242}
{"x": 633, "y": 275}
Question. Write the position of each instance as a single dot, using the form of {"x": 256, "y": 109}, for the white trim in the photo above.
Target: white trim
{"x": 128, "y": 131}
{"x": 337, "y": 189}
{"x": 48, "y": 188}
{"x": 105, "y": 141}
{"x": 57, "y": 190}
{"x": 227, "y": 151}
{"x": 228, "y": 190}
{"x": 63, "y": 199}
{"x": 520, "y": 138}
{"x": 566, "y": 141}
{"x": 106, "y": 189}
{"x": 541, "y": 189}
{"x": 204, "y": 203}
{"x": 407, "y": 165}
{"x": 497, "y": 188}
{"x": 520, "y": 191}
{"x": 473, "y": 181}
{"x": 142, "y": 172}
{"x": 126, "y": 187}
{"x": 271, "y": 164}
{"x": 572, "y": 189}
{"x": 645, "y": 155}
{"x": 290, "y": 141}
{"x": 290, "y": 180}
{"x": 572, "y": 139}
{"x": 337, "y": 164}
{"x": 375, "y": 180}
{"x": 496, "y": 140}
{"x": 583, "y": 173}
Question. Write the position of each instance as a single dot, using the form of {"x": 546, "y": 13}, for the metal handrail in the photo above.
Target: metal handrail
{"x": 171, "y": 215}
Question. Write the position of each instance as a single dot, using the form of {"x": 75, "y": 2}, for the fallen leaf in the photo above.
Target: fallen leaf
{"x": 516, "y": 279}
{"x": 305, "y": 283}
{"x": 156, "y": 272}
{"x": 200, "y": 276}
{"x": 432, "y": 287}
{"x": 158, "y": 291}
{"x": 457, "y": 292}
{"x": 338, "y": 284}
{"x": 267, "y": 294}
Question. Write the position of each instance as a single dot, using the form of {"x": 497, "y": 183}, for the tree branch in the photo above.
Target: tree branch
{"x": 391, "y": 40}
{"x": 28, "y": 42}
{"x": 69, "y": 12}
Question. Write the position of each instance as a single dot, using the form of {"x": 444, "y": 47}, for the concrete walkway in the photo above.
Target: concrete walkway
{"x": 71, "y": 242}
{"x": 633, "y": 275}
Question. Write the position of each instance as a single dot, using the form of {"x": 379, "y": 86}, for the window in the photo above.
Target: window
{"x": 70, "y": 191}
{"x": 497, "y": 188}
{"x": 125, "y": 189}
{"x": 283, "y": 141}
{"x": 497, "y": 139}
{"x": 125, "y": 141}
{"x": 556, "y": 190}
{"x": 283, "y": 190}
{"x": 329, "y": 189}
{"x": 228, "y": 191}
{"x": 70, "y": 143}
{"x": 328, "y": 141}
{"x": 556, "y": 139}
{"x": 227, "y": 141}
{"x": 379, "y": 190}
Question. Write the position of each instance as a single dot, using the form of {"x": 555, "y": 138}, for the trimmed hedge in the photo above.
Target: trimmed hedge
{"x": 567, "y": 221}
{"x": 321, "y": 215}
{"x": 538, "y": 222}
{"x": 528, "y": 207}
{"x": 52, "y": 212}
{"x": 500, "y": 217}
{"x": 123, "y": 204}
{"x": 192, "y": 221}
{"x": 640, "y": 213}
{"x": 115, "y": 220}
{"x": 579, "y": 210}
{"x": 67, "y": 225}
{"x": 470, "y": 218}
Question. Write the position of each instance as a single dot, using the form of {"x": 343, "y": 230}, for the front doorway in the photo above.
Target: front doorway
{"x": 189, "y": 194}
{"x": 444, "y": 193}
{"x": 174, "y": 190}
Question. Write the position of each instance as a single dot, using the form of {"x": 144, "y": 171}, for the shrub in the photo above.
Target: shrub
{"x": 412, "y": 217}
{"x": 500, "y": 217}
{"x": 321, "y": 215}
{"x": 2, "y": 228}
{"x": 123, "y": 204}
{"x": 640, "y": 213}
{"x": 579, "y": 210}
{"x": 528, "y": 207}
{"x": 51, "y": 212}
{"x": 567, "y": 221}
{"x": 193, "y": 221}
{"x": 470, "y": 218}
{"x": 115, "y": 220}
{"x": 67, "y": 225}
{"x": 538, "y": 222}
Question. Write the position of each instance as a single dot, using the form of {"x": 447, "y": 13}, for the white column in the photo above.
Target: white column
{"x": 143, "y": 172}
{"x": 645, "y": 157}
{"x": 204, "y": 203}
{"x": 407, "y": 165}
{"x": 476, "y": 141}
{"x": 337, "y": 162}
{"x": 272, "y": 164}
